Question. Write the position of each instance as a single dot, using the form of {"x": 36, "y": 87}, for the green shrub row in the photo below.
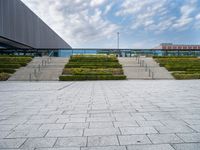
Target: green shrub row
{"x": 12, "y": 66}
{"x": 14, "y": 63}
{"x": 93, "y": 56}
{"x": 7, "y": 70}
{"x": 4, "y": 76}
{"x": 91, "y": 77}
{"x": 174, "y": 56}
{"x": 93, "y": 66}
{"x": 16, "y": 56}
{"x": 182, "y": 67}
{"x": 87, "y": 71}
{"x": 92, "y": 63}
{"x": 93, "y": 59}
{"x": 182, "y": 76}
{"x": 15, "y": 59}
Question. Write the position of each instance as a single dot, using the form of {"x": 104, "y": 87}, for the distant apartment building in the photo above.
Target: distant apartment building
{"x": 171, "y": 46}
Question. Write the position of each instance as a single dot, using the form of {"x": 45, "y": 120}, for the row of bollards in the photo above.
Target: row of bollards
{"x": 143, "y": 64}
{"x": 37, "y": 70}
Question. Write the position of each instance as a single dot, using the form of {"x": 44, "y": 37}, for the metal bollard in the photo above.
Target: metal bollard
{"x": 35, "y": 72}
{"x": 39, "y": 67}
{"x": 30, "y": 77}
{"x": 142, "y": 63}
{"x": 42, "y": 63}
{"x": 146, "y": 68}
{"x": 152, "y": 75}
{"x": 45, "y": 62}
{"x": 149, "y": 72}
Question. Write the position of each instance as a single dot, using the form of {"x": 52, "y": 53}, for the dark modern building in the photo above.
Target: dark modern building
{"x": 21, "y": 28}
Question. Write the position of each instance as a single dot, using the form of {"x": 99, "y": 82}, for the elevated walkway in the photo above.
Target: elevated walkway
{"x": 41, "y": 69}
{"x": 144, "y": 68}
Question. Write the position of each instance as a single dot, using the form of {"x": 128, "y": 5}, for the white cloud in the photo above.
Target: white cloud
{"x": 95, "y": 3}
{"x": 85, "y": 22}
{"x": 186, "y": 10}
{"x": 75, "y": 21}
{"x": 197, "y": 23}
{"x": 158, "y": 15}
{"x": 197, "y": 17}
{"x": 108, "y": 8}
{"x": 147, "y": 14}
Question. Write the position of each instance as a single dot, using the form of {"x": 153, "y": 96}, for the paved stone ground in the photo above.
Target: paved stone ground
{"x": 107, "y": 115}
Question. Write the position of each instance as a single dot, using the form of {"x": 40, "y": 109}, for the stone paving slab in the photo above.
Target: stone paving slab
{"x": 134, "y": 139}
{"x": 151, "y": 147}
{"x": 100, "y": 115}
{"x": 164, "y": 138}
{"x": 187, "y": 146}
{"x": 102, "y": 141}
{"x": 71, "y": 141}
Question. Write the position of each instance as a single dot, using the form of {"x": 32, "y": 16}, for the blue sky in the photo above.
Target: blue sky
{"x": 141, "y": 23}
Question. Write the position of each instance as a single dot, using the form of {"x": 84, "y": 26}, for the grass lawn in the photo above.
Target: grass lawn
{"x": 9, "y": 64}
{"x": 92, "y": 67}
{"x": 181, "y": 67}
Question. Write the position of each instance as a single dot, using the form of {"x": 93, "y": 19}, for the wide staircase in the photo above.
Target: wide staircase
{"x": 41, "y": 69}
{"x": 145, "y": 68}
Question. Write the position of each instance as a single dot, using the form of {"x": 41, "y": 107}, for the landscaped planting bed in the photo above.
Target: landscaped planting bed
{"x": 181, "y": 67}
{"x": 9, "y": 64}
{"x": 92, "y": 67}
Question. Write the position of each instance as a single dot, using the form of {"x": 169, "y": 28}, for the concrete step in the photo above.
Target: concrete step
{"x": 133, "y": 69}
{"x": 50, "y": 72}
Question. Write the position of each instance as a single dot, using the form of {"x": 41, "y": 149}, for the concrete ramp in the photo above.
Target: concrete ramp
{"x": 50, "y": 70}
{"x": 145, "y": 68}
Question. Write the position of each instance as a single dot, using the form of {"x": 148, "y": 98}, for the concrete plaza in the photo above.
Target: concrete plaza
{"x": 100, "y": 115}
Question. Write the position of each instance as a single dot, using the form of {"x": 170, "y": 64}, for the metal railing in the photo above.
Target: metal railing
{"x": 148, "y": 69}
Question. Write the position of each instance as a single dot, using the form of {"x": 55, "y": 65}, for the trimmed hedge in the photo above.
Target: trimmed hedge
{"x": 174, "y": 56}
{"x": 86, "y": 71}
{"x": 14, "y": 63}
{"x": 16, "y": 56}
{"x": 92, "y": 67}
{"x": 91, "y": 77}
{"x": 4, "y": 76}
{"x": 13, "y": 66}
{"x": 182, "y": 67}
{"x": 15, "y": 59}
{"x": 180, "y": 76}
{"x": 7, "y": 70}
{"x": 8, "y": 64}
{"x": 92, "y": 59}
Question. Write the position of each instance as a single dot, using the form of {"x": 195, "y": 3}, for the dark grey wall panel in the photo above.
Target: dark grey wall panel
{"x": 1, "y": 18}
{"x": 18, "y": 23}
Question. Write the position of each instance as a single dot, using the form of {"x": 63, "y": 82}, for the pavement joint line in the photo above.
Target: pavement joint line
{"x": 66, "y": 86}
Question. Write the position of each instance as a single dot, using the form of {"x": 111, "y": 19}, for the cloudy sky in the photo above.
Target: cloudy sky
{"x": 141, "y": 23}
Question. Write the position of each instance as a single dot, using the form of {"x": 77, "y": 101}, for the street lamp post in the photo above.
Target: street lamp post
{"x": 118, "y": 40}
{"x": 118, "y": 43}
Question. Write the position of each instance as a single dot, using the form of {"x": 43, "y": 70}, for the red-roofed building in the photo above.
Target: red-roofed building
{"x": 170, "y": 46}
